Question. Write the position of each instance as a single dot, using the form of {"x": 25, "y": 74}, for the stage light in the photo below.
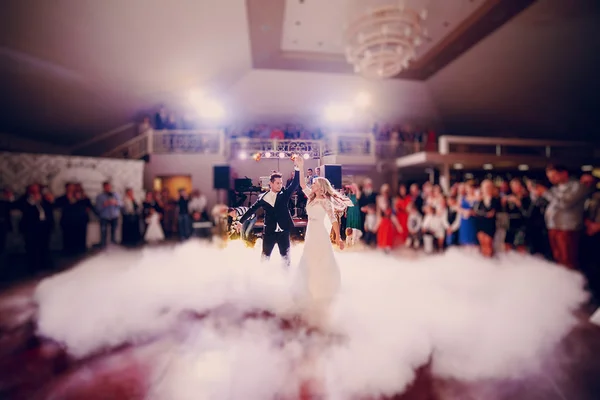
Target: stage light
{"x": 268, "y": 154}
{"x": 458, "y": 166}
{"x": 196, "y": 96}
{"x": 468, "y": 175}
{"x": 207, "y": 108}
{"x": 282, "y": 155}
{"x": 242, "y": 155}
{"x": 362, "y": 100}
{"x": 306, "y": 156}
{"x": 338, "y": 112}
{"x": 523, "y": 167}
{"x": 488, "y": 166}
{"x": 210, "y": 109}
{"x": 587, "y": 168}
{"x": 256, "y": 157}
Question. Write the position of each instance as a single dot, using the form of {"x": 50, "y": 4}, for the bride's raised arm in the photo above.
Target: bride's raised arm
{"x": 299, "y": 162}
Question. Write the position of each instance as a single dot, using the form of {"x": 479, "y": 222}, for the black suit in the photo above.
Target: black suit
{"x": 278, "y": 221}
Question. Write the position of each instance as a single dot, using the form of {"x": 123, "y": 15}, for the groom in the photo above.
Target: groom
{"x": 278, "y": 221}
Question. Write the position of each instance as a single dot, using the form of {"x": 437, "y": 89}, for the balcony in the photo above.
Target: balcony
{"x": 346, "y": 148}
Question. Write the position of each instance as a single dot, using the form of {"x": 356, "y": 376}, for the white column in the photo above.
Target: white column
{"x": 150, "y": 140}
{"x": 445, "y": 178}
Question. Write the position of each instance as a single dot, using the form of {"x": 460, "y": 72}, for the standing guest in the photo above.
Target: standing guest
{"x": 184, "y": 221}
{"x": 485, "y": 210}
{"x": 564, "y": 215}
{"x": 365, "y": 196}
{"x": 452, "y": 222}
{"x": 130, "y": 228}
{"x": 168, "y": 206}
{"x": 197, "y": 206}
{"x": 516, "y": 206}
{"x": 108, "y": 207}
{"x": 388, "y": 224}
{"x": 417, "y": 198}
{"x": 86, "y": 207}
{"x": 36, "y": 225}
{"x": 467, "y": 233}
{"x": 70, "y": 218}
{"x": 353, "y": 220}
{"x": 401, "y": 204}
{"x": 537, "y": 232}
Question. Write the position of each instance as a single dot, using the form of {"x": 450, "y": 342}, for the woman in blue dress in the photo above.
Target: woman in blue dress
{"x": 467, "y": 233}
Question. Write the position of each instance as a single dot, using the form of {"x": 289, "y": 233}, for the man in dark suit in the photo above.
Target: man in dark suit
{"x": 278, "y": 221}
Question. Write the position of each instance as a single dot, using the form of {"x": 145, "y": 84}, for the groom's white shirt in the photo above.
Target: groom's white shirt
{"x": 270, "y": 198}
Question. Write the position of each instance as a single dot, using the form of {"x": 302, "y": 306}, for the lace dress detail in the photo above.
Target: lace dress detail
{"x": 325, "y": 203}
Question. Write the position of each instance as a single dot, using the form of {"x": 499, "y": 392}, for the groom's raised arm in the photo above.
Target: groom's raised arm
{"x": 293, "y": 186}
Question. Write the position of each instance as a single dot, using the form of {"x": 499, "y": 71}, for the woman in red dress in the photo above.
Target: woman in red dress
{"x": 402, "y": 202}
{"x": 388, "y": 223}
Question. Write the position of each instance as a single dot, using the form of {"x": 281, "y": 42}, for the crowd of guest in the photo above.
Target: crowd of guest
{"x": 557, "y": 218}
{"x": 156, "y": 217}
{"x": 165, "y": 119}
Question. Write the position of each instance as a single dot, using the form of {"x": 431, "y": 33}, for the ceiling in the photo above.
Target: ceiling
{"x": 318, "y": 26}
{"x": 71, "y": 69}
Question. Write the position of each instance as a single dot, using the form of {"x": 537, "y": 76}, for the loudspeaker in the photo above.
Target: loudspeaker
{"x": 333, "y": 173}
{"x": 221, "y": 177}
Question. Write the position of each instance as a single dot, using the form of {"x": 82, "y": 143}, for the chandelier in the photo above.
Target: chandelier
{"x": 382, "y": 41}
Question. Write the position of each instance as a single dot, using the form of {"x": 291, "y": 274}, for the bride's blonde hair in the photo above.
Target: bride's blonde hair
{"x": 339, "y": 201}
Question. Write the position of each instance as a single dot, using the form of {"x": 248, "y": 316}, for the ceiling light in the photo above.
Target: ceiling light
{"x": 468, "y": 175}
{"x": 306, "y": 156}
{"x": 381, "y": 41}
{"x": 458, "y": 166}
{"x": 523, "y": 167}
{"x": 587, "y": 168}
{"x": 282, "y": 155}
{"x": 362, "y": 100}
{"x": 488, "y": 166}
{"x": 338, "y": 112}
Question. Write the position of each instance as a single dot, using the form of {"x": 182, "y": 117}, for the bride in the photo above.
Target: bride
{"x": 318, "y": 278}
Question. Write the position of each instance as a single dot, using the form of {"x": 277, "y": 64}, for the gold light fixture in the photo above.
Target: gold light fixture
{"x": 382, "y": 41}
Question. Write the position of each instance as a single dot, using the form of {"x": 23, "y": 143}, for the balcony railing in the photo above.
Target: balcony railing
{"x": 243, "y": 147}
{"x": 214, "y": 143}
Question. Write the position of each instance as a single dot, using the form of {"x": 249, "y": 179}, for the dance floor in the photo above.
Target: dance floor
{"x": 163, "y": 324}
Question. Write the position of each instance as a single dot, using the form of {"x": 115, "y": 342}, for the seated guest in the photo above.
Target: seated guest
{"x": 433, "y": 228}
{"x": 414, "y": 223}
{"x": 353, "y": 236}
{"x": 371, "y": 225}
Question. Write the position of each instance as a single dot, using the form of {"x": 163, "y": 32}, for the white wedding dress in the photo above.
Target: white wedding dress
{"x": 318, "y": 276}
